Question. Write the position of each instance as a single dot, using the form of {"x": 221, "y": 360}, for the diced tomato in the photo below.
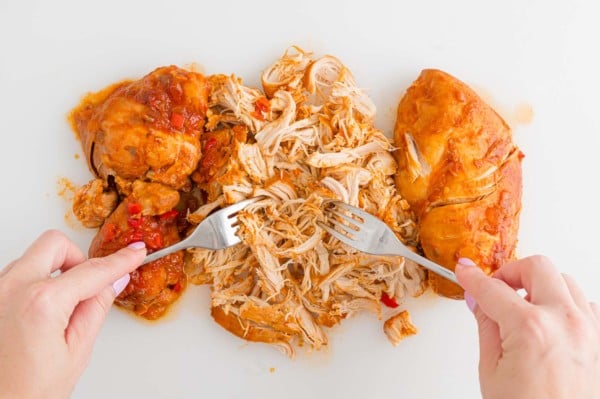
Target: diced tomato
{"x": 177, "y": 120}
{"x": 134, "y": 222}
{"x": 154, "y": 240}
{"x": 177, "y": 287}
{"x": 135, "y": 236}
{"x": 170, "y": 215}
{"x": 210, "y": 144}
{"x": 388, "y": 301}
{"x": 133, "y": 208}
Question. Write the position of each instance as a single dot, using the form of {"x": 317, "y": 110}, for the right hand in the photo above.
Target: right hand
{"x": 546, "y": 345}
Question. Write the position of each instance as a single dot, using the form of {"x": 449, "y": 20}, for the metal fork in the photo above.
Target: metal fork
{"x": 369, "y": 234}
{"x": 217, "y": 231}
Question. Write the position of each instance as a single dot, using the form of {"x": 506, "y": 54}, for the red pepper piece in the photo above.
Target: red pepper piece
{"x": 133, "y": 208}
{"x": 177, "y": 287}
{"x": 210, "y": 144}
{"x": 388, "y": 301}
{"x": 210, "y": 153}
{"x": 261, "y": 107}
{"x": 170, "y": 215}
{"x": 177, "y": 120}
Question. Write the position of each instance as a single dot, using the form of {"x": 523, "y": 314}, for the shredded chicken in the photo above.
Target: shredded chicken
{"x": 312, "y": 140}
{"x": 94, "y": 202}
{"x": 399, "y": 327}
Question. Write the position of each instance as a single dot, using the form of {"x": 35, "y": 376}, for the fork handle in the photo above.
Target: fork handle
{"x": 434, "y": 267}
{"x": 167, "y": 251}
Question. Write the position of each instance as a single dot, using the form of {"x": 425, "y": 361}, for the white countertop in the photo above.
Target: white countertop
{"x": 517, "y": 54}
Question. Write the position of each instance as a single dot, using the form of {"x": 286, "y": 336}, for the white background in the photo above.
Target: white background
{"x": 515, "y": 53}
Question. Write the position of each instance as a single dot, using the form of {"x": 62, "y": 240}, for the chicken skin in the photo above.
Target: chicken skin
{"x": 145, "y": 129}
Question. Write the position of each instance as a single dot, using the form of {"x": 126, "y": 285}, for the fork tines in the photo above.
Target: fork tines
{"x": 345, "y": 223}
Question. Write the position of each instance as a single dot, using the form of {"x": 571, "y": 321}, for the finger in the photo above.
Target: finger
{"x": 576, "y": 292}
{"x": 496, "y": 299}
{"x": 89, "y": 278}
{"x": 88, "y": 317}
{"x": 596, "y": 309}
{"x": 6, "y": 269}
{"x": 490, "y": 345}
{"x": 538, "y": 276}
{"x": 50, "y": 252}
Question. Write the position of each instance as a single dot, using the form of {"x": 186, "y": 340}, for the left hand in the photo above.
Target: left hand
{"x": 48, "y": 325}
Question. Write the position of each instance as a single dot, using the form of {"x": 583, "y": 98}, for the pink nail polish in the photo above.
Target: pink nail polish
{"x": 470, "y": 302}
{"x": 120, "y": 284}
{"x": 466, "y": 262}
{"x": 137, "y": 245}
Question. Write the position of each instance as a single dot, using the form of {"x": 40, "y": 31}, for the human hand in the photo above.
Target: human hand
{"x": 546, "y": 345}
{"x": 48, "y": 325}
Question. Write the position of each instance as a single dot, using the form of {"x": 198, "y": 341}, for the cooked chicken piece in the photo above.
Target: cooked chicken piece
{"x": 309, "y": 140}
{"x": 286, "y": 127}
{"x": 253, "y": 162}
{"x": 94, "y": 202}
{"x": 232, "y": 102}
{"x": 289, "y": 279}
{"x": 328, "y": 78}
{"x": 346, "y": 156}
{"x": 461, "y": 173}
{"x": 251, "y": 331}
{"x": 144, "y": 136}
{"x": 287, "y": 73}
{"x": 155, "y": 286}
{"x": 145, "y": 129}
{"x": 217, "y": 166}
{"x": 155, "y": 198}
{"x": 399, "y": 327}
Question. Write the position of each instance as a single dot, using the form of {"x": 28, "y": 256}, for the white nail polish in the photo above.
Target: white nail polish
{"x": 120, "y": 284}
{"x": 137, "y": 245}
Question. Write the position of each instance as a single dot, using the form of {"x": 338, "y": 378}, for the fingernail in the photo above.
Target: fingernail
{"x": 466, "y": 262}
{"x": 470, "y": 302}
{"x": 137, "y": 245}
{"x": 120, "y": 284}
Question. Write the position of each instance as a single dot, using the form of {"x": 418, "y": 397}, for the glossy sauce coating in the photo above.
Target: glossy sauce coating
{"x": 149, "y": 128}
{"x": 461, "y": 173}
{"x": 142, "y": 140}
{"x": 153, "y": 287}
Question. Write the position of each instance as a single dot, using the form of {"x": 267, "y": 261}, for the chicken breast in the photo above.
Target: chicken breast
{"x": 461, "y": 173}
